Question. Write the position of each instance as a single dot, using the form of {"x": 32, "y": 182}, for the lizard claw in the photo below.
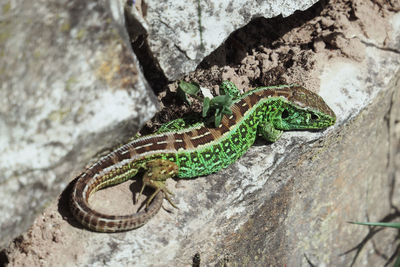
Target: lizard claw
{"x": 158, "y": 186}
{"x": 167, "y": 195}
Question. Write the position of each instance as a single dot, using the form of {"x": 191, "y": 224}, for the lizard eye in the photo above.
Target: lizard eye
{"x": 285, "y": 114}
{"x": 314, "y": 116}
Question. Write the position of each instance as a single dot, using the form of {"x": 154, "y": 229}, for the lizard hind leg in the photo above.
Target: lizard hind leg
{"x": 157, "y": 172}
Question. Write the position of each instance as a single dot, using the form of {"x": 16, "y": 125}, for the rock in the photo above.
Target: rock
{"x": 180, "y": 34}
{"x": 286, "y": 203}
{"x": 70, "y": 86}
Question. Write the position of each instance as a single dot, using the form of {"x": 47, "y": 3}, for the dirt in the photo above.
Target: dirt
{"x": 285, "y": 50}
{"x": 265, "y": 52}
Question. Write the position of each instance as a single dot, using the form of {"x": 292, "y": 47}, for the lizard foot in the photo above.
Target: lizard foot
{"x": 158, "y": 171}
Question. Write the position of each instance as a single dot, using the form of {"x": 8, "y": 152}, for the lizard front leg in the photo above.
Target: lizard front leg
{"x": 157, "y": 172}
{"x": 268, "y": 131}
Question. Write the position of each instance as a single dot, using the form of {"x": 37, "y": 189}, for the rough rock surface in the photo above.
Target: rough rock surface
{"x": 180, "y": 34}
{"x": 68, "y": 79}
{"x": 286, "y": 203}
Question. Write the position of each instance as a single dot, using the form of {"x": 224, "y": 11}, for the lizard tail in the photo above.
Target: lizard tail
{"x": 100, "y": 222}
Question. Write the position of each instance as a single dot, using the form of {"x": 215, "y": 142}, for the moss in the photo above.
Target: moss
{"x": 65, "y": 26}
{"x": 59, "y": 115}
{"x": 70, "y": 82}
{"x": 6, "y": 8}
{"x": 81, "y": 33}
{"x": 5, "y": 31}
{"x": 4, "y": 36}
{"x": 36, "y": 54}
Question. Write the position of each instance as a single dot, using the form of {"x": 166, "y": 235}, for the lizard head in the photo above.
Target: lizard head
{"x": 304, "y": 110}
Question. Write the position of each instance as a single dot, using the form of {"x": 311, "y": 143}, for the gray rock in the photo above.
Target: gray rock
{"x": 182, "y": 33}
{"x": 286, "y": 203}
{"x": 70, "y": 86}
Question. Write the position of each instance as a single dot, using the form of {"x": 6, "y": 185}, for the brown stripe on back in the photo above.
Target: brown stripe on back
{"x": 149, "y": 147}
{"x": 222, "y": 128}
{"x": 215, "y": 133}
{"x": 236, "y": 109}
{"x": 242, "y": 106}
{"x": 266, "y": 93}
{"x": 253, "y": 98}
{"x": 170, "y": 142}
{"x": 187, "y": 140}
{"x": 115, "y": 157}
{"x": 142, "y": 142}
{"x": 192, "y": 133}
{"x": 159, "y": 145}
{"x": 201, "y": 136}
{"x": 179, "y": 143}
{"x": 150, "y": 144}
{"x": 159, "y": 139}
{"x": 285, "y": 93}
{"x": 96, "y": 168}
{"x": 202, "y": 130}
{"x": 202, "y": 139}
{"x": 231, "y": 119}
{"x": 121, "y": 153}
{"x": 132, "y": 152}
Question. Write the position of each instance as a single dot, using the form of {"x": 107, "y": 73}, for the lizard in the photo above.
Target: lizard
{"x": 188, "y": 151}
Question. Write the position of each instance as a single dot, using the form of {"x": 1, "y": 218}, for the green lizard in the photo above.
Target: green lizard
{"x": 187, "y": 151}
